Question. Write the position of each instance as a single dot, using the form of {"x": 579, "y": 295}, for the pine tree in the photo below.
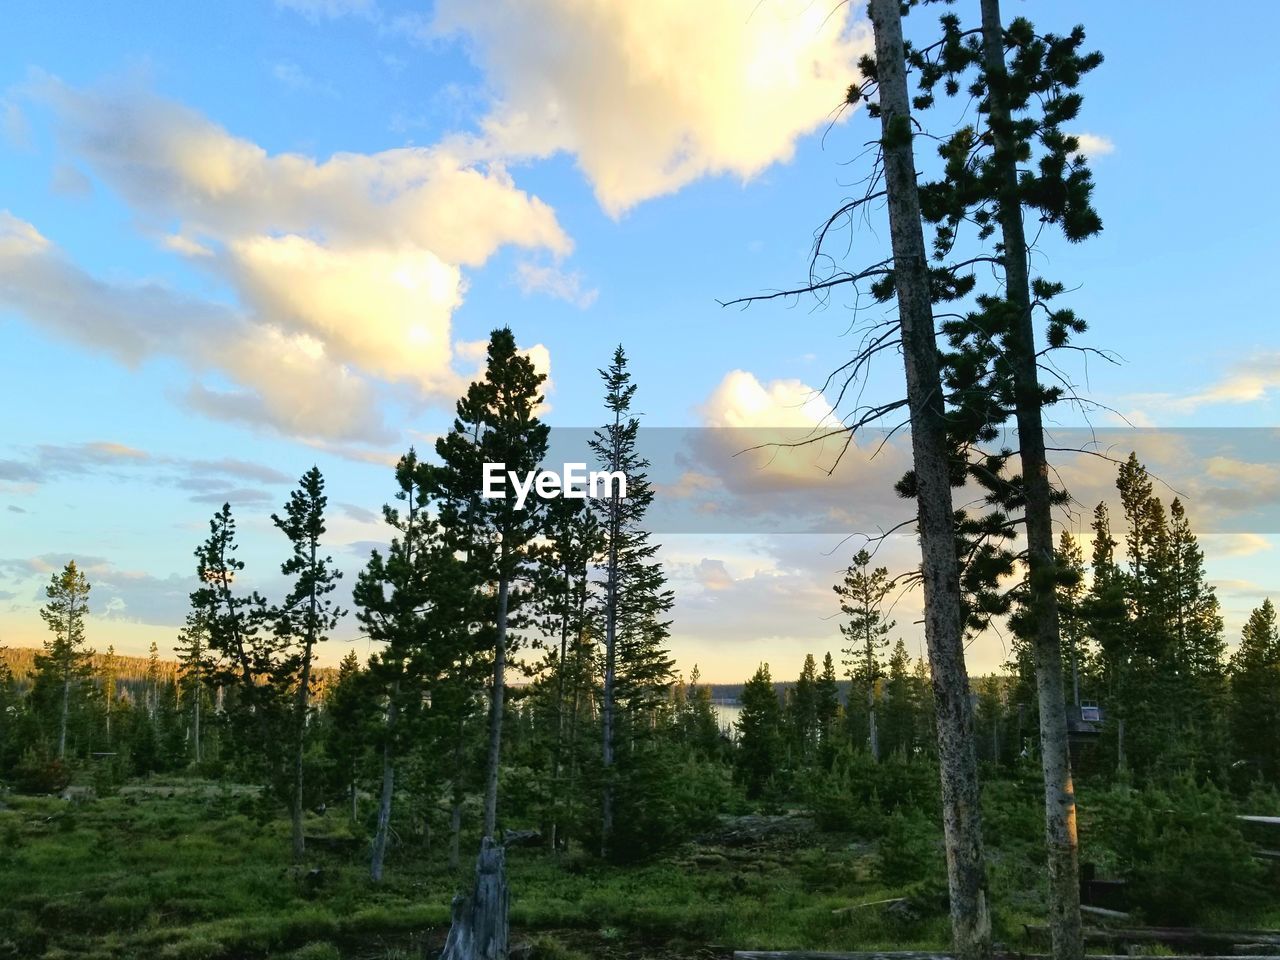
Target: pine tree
{"x": 247, "y": 657}
{"x": 638, "y": 669}
{"x": 1255, "y": 693}
{"x": 64, "y": 666}
{"x": 349, "y": 721}
{"x": 496, "y": 423}
{"x": 195, "y": 668}
{"x": 565, "y": 591}
{"x": 759, "y": 728}
{"x": 304, "y": 620}
{"x": 900, "y": 720}
{"x": 862, "y": 595}
{"x": 415, "y": 603}
{"x": 110, "y": 693}
{"x": 802, "y": 714}
{"x": 827, "y": 706}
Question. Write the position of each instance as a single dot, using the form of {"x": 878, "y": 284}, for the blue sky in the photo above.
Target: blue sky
{"x": 193, "y": 190}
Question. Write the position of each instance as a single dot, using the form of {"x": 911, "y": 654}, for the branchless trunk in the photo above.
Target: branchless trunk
{"x": 195, "y": 725}
{"x": 610, "y": 655}
{"x": 496, "y": 706}
{"x": 559, "y": 746}
{"x": 388, "y": 790}
{"x": 944, "y": 625}
{"x": 1055, "y": 759}
{"x": 872, "y": 731}
{"x": 301, "y": 704}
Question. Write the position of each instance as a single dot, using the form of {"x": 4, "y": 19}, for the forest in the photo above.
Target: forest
{"x": 520, "y": 769}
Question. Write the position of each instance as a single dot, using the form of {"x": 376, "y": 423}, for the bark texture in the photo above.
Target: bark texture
{"x": 1055, "y": 757}
{"x": 944, "y": 624}
{"x": 479, "y": 930}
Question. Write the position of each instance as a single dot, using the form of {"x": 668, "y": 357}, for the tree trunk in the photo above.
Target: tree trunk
{"x": 199, "y": 695}
{"x": 559, "y": 746}
{"x": 873, "y": 732}
{"x": 610, "y": 662}
{"x": 66, "y": 708}
{"x": 1055, "y": 757}
{"x": 495, "y": 708}
{"x": 355, "y": 808}
{"x": 455, "y": 832}
{"x": 479, "y": 929}
{"x": 388, "y": 790}
{"x": 944, "y": 625}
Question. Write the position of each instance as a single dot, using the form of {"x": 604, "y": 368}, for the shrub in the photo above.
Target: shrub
{"x": 1181, "y": 849}
{"x": 34, "y": 775}
{"x": 908, "y": 849}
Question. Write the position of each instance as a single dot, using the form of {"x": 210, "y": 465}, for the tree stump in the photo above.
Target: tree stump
{"x": 479, "y": 929}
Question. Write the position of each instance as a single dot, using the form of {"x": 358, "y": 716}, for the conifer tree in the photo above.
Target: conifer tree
{"x": 414, "y": 602}
{"x": 862, "y": 595}
{"x": 802, "y": 714}
{"x": 637, "y": 667}
{"x": 759, "y": 728}
{"x": 195, "y": 668}
{"x": 497, "y": 423}
{"x": 64, "y": 665}
{"x": 900, "y": 722}
{"x": 110, "y": 693}
{"x": 349, "y": 721}
{"x": 1255, "y": 692}
{"x": 304, "y": 620}
{"x": 827, "y": 705}
{"x": 931, "y": 482}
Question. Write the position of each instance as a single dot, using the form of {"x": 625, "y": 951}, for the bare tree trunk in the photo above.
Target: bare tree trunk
{"x": 1055, "y": 757}
{"x": 199, "y": 696}
{"x": 944, "y": 625}
{"x": 388, "y": 791}
{"x": 66, "y": 708}
{"x": 874, "y": 732}
{"x": 559, "y": 746}
{"x": 610, "y": 666}
{"x": 355, "y": 807}
{"x": 480, "y": 922}
{"x": 298, "y": 815}
{"x": 455, "y": 830}
{"x": 495, "y": 709}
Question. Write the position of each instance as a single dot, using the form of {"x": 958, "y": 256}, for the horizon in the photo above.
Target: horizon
{"x": 278, "y": 237}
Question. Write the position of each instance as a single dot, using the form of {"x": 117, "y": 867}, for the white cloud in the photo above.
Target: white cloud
{"x": 651, "y": 96}
{"x": 1092, "y": 145}
{"x": 741, "y": 400}
{"x": 347, "y": 270}
{"x": 554, "y": 282}
{"x": 329, "y": 9}
{"x": 284, "y": 379}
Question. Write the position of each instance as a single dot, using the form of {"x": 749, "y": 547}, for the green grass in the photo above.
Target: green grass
{"x": 193, "y": 876}
{"x": 190, "y": 871}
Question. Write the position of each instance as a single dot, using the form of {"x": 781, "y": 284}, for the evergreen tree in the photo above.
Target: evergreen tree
{"x": 195, "y": 668}
{"x": 802, "y": 714}
{"x": 1255, "y": 693}
{"x": 759, "y": 728}
{"x": 827, "y": 706}
{"x": 415, "y": 603}
{"x": 900, "y": 720}
{"x": 64, "y": 667}
{"x": 862, "y": 595}
{"x": 110, "y": 692}
{"x": 349, "y": 710}
{"x": 303, "y": 621}
{"x": 637, "y": 666}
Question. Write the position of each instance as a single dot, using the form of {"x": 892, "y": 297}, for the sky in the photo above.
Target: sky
{"x": 243, "y": 238}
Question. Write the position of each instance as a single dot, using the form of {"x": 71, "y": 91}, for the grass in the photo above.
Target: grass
{"x": 183, "y": 870}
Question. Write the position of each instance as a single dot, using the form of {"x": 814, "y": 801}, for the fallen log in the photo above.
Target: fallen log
{"x": 906, "y": 955}
{"x": 869, "y": 903}
{"x": 1104, "y": 912}
{"x": 1170, "y": 935}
